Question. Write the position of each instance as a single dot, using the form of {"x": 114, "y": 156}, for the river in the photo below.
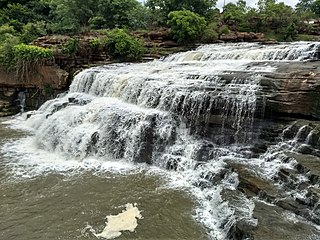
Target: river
{"x": 177, "y": 138}
{"x": 42, "y": 202}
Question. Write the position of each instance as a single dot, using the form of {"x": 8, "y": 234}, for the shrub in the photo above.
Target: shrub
{"x": 6, "y": 29}
{"x": 210, "y": 34}
{"x": 186, "y": 26}
{"x": 27, "y": 58}
{"x": 121, "y": 46}
{"x": 31, "y": 53}
{"x": 7, "y": 59}
{"x": 71, "y": 46}
{"x": 224, "y": 30}
{"x": 95, "y": 43}
{"x": 33, "y": 30}
{"x": 97, "y": 22}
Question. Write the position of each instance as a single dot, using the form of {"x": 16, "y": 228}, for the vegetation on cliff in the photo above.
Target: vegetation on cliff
{"x": 190, "y": 21}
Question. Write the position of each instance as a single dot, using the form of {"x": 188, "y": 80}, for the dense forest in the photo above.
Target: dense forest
{"x": 23, "y": 21}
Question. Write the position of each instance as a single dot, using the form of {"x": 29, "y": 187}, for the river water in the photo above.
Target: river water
{"x": 172, "y": 136}
{"x": 48, "y": 204}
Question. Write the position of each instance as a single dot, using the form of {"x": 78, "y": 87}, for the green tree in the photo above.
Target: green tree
{"x": 235, "y": 14}
{"x": 121, "y": 46}
{"x": 70, "y": 15}
{"x": 304, "y": 5}
{"x": 121, "y": 13}
{"x": 8, "y": 41}
{"x": 186, "y": 26}
{"x": 315, "y": 7}
{"x": 274, "y": 14}
{"x": 161, "y": 8}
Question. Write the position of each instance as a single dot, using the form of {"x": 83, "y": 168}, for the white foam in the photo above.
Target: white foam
{"x": 125, "y": 221}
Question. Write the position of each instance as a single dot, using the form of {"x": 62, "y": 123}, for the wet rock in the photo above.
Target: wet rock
{"x": 251, "y": 184}
{"x": 305, "y": 149}
{"x": 278, "y": 224}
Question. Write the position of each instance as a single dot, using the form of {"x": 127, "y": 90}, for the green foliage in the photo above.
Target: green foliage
{"x": 186, "y": 26}
{"x": 6, "y": 29}
{"x": 33, "y": 30}
{"x": 97, "y": 22}
{"x": 288, "y": 33}
{"x": 122, "y": 13}
{"x": 224, "y": 30}
{"x": 234, "y": 12}
{"x": 31, "y": 53}
{"x": 304, "y": 5}
{"x": 121, "y": 46}
{"x": 210, "y": 34}
{"x": 71, "y": 15}
{"x": 315, "y": 8}
{"x": 71, "y": 46}
{"x": 27, "y": 58}
{"x": 7, "y": 58}
{"x": 95, "y": 43}
{"x": 161, "y": 8}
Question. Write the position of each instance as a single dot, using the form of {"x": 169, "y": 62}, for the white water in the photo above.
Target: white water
{"x": 121, "y": 114}
{"x": 251, "y": 51}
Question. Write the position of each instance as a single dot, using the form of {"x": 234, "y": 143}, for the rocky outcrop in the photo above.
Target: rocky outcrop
{"x": 242, "y": 37}
{"x": 38, "y": 87}
{"x": 294, "y": 90}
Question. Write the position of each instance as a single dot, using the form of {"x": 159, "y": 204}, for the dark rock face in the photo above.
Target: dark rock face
{"x": 293, "y": 91}
{"x": 40, "y": 87}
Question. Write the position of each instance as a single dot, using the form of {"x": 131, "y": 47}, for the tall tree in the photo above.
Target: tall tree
{"x": 121, "y": 13}
{"x": 161, "y": 8}
{"x": 304, "y": 5}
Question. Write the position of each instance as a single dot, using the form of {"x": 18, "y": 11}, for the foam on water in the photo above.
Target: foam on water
{"x": 125, "y": 221}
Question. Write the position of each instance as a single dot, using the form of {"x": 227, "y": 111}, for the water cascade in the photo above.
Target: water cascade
{"x": 21, "y": 101}
{"x": 197, "y": 115}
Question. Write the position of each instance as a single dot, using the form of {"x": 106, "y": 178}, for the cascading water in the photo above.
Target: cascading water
{"x": 181, "y": 114}
{"x": 21, "y": 101}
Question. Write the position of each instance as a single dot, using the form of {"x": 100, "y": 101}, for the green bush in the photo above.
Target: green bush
{"x": 224, "y": 30}
{"x": 186, "y": 26}
{"x": 31, "y": 31}
{"x": 7, "y": 58}
{"x": 95, "y": 43}
{"x": 23, "y": 52}
{"x": 210, "y": 34}
{"x": 121, "y": 46}
{"x": 6, "y": 29}
{"x": 27, "y": 58}
{"x": 97, "y": 22}
{"x": 71, "y": 46}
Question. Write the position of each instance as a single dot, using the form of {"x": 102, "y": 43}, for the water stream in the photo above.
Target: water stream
{"x": 172, "y": 135}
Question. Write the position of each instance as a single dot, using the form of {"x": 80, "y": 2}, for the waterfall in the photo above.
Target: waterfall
{"x": 183, "y": 113}
{"x": 251, "y": 51}
{"x": 21, "y": 101}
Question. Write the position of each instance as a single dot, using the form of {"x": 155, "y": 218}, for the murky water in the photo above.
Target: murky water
{"x": 61, "y": 206}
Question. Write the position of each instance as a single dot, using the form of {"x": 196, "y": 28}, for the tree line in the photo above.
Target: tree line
{"x": 22, "y": 21}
